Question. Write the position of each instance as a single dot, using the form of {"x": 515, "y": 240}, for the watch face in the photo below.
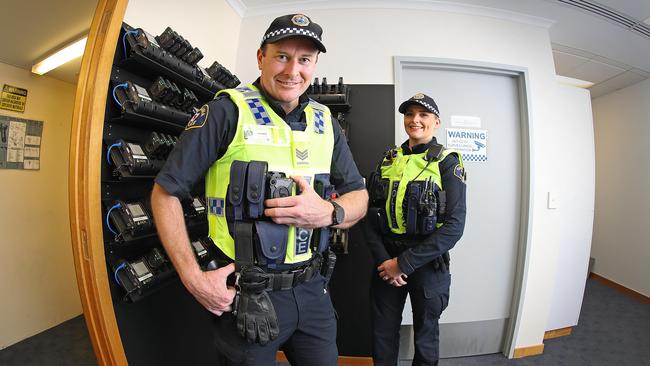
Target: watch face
{"x": 338, "y": 215}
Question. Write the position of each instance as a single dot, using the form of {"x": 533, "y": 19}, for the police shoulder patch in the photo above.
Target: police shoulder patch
{"x": 459, "y": 172}
{"x": 199, "y": 118}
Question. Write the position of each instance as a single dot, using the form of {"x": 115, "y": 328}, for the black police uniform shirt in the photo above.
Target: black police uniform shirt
{"x": 425, "y": 248}
{"x": 199, "y": 147}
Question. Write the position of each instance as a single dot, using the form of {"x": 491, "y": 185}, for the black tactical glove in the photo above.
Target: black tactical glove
{"x": 256, "y": 318}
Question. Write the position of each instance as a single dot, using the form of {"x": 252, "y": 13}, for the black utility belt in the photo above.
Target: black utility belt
{"x": 289, "y": 279}
{"x": 271, "y": 280}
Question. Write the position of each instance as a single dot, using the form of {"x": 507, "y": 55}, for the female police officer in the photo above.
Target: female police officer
{"x": 416, "y": 215}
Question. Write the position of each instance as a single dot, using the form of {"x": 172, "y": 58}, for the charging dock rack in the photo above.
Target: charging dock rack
{"x": 156, "y": 86}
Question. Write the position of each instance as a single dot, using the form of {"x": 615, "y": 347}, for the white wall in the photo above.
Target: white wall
{"x": 38, "y": 283}
{"x": 361, "y": 44}
{"x": 212, "y": 26}
{"x": 621, "y": 239}
{"x": 575, "y": 204}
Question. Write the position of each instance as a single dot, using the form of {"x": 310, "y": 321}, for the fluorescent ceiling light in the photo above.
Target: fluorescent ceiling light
{"x": 62, "y": 56}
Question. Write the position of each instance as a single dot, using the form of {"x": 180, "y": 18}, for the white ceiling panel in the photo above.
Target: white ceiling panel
{"x": 623, "y": 80}
{"x": 572, "y": 51}
{"x": 641, "y": 72}
{"x": 611, "y": 62}
{"x": 565, "y": 63}
{"x": 618, "y": 82}
{"x": 595, "y": 71}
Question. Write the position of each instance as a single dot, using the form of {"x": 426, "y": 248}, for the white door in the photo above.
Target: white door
{"x": 483, "y": 262}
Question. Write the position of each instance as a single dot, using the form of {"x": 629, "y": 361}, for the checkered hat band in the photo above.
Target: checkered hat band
{"x": 296, "y": 31}
{"x": 428, "y": 106}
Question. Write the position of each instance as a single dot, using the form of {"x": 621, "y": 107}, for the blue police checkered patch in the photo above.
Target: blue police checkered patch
{"x": 217, "y": 206}
{"x": 259, "y": 113}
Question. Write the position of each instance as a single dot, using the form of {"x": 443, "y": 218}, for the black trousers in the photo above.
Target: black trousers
{"x": 429, "y": 293}
{"x": 307, "y": 330}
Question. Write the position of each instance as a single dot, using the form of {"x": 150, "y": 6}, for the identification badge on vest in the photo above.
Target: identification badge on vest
{"x": 258, "y": 134}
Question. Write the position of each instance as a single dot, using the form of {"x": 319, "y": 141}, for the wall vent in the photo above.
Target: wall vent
{"x": 623, "y": 20}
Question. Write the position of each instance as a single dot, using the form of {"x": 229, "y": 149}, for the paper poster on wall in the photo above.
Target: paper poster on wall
{"x": 20, "y": 143}
{"x": 469, "y": 142}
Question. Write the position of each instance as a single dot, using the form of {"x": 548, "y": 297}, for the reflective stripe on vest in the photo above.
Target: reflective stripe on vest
{"x": 264, "y": 136}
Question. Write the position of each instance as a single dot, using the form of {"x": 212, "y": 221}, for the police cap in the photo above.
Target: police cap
{"x": 294, "y": 25}
{"x": 423, "y": 100}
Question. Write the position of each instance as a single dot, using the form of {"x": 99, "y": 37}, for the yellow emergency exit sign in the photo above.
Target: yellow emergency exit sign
{"x": 13, "y": 98}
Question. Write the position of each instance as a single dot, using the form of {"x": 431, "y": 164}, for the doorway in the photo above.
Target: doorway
{"x": 487, "y": 263}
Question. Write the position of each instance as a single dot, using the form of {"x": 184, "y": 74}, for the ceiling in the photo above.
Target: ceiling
{"x": 585, "y": 46}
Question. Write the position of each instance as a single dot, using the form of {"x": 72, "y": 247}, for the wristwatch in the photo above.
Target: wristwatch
{"x": 338, "y": 215}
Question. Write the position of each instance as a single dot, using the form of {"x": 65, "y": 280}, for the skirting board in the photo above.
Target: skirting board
{"x": 343, "y": 360}
{"x": 529, "y": 351}
{"x": 555, "y": 333}
{"x": 636, "y": 295}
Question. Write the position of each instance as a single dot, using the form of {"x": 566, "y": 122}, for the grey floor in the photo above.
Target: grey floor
{"x": 613, "y": 330}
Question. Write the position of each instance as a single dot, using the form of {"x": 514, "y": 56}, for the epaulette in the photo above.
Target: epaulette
{"x": 434, "y": 153}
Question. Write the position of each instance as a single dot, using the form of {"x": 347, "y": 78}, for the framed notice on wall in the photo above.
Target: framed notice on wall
{"x": 20, "y": 143}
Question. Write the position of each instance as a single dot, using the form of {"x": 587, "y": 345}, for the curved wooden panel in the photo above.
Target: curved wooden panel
{"x": 84, "y": 182}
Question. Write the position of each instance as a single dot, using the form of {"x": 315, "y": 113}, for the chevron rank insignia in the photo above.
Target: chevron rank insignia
{"x": 302, "y": 154}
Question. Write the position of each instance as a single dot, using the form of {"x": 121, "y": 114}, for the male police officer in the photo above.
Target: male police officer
{"x": 247, "y": 139}
{"x": 416, "y": 215}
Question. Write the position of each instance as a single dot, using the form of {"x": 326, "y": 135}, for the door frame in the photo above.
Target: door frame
{"x": 84, "y": 182}
{"x": 527, "y": 179}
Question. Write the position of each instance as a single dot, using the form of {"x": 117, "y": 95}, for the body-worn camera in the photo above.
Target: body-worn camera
{"x": 377, "y": 188}
{"x": 278, "y": 185}
{"x": 221, "y": 74}
{"x": 131, "y": 218}
{"x": 130, "y": 158}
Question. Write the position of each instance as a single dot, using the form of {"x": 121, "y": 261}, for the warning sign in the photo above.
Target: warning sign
{"x": 13, "y": 98}
{"x": 472, "y": 144}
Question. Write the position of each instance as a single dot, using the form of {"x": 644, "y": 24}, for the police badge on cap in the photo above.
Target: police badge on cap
{"x": 300, "y": 20}
{"x": 294, "y": 25}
